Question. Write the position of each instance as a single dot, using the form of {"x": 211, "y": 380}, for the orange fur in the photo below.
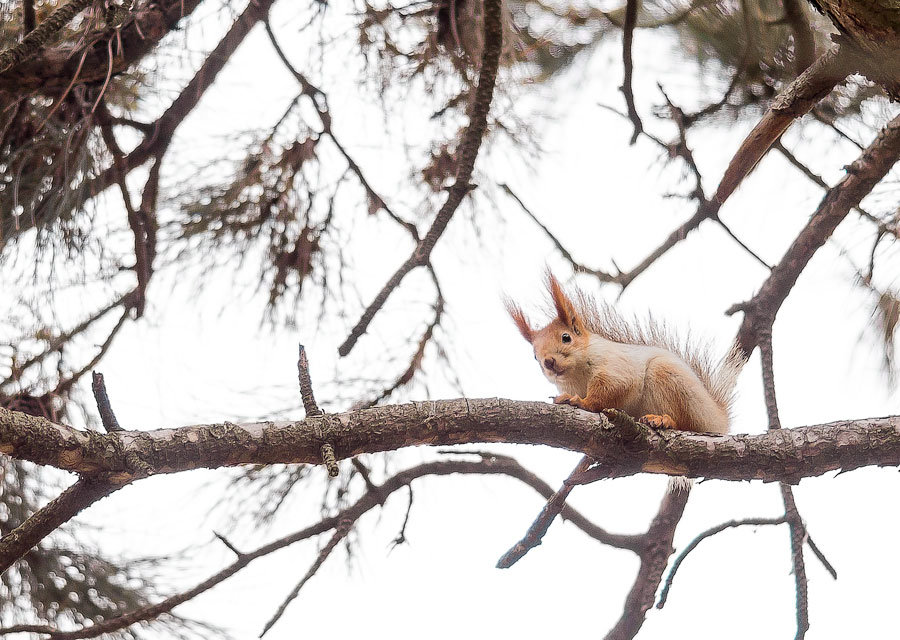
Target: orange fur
{"x": 599, "y": 361}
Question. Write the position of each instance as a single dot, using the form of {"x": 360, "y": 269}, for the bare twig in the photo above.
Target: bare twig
{"x": 539, "y": 527}
{"x": 415, "y": 361}
{"x": 703, "y": 536}
{"x": 306, "y": 392}
{"x": 229, "y": 545}
{"x": 821, "y": 556}
{"x": 313, "y": 411}
{"x": 58, "y": 342}
{"x": 364, "y": 473}
{"x": 107, "y": 416}
{"x": 65, "y": 384}
{"x": 631, "y": 10}
{"x": 319, "y": 100}
{"x": 340, "y": 533}
{"x": 577, "y": 266}
{"x": 142, "y": 235}
{"x": 465, "y": 158}
{"x": 401, "y": 536}
{"x": 817, "y": 179}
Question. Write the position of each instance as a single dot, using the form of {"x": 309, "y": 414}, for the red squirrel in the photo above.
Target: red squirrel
{"x": 598, "y": 360}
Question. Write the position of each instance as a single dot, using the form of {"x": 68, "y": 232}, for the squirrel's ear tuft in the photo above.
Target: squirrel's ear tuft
{"x": 565, "y": 310}
{"x": 519, "y": 318}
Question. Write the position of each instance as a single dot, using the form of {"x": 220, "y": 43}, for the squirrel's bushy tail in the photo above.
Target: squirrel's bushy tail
{"x": 722, "y": 379}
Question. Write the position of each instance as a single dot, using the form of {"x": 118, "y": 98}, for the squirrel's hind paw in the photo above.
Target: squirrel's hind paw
{"x": 664, "y": 421}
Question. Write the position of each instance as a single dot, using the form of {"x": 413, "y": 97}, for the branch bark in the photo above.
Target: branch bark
{"x": 624, "y": 447}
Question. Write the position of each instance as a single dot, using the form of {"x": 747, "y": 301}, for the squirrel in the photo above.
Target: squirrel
{"x": 599, "y": 360}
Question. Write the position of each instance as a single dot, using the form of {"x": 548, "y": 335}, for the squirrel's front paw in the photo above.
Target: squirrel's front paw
{"x": 664, "y": 421}
{"x": 570, "y": 400}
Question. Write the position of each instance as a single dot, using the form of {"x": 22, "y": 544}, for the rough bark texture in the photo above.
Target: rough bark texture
{"x": 622, "y": 445}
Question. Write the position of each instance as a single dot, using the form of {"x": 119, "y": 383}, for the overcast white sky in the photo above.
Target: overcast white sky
{"x": 209, "y": 359}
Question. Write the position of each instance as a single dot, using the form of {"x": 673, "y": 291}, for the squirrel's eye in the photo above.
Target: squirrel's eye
{"x": 566, "y": 337}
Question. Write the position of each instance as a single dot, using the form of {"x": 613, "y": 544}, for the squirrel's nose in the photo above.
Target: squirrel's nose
{"x": 549, "y": 363}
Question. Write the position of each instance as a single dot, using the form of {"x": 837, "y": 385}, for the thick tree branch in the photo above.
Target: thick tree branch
{"x": 624, "y": 448}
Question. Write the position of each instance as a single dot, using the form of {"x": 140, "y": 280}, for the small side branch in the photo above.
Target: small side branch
{"x": 340, "y": 533}
{"x": 313, "y": 411}
{"x": 107, "y": 417}
{"x": 631, "y": 11}
{"x": 754, "y": 522}
{"x": 538, "y": 529}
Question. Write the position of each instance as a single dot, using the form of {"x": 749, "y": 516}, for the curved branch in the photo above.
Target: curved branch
{"x": 372, "y": 498}
{"x": 623, "y": 447}
{"x": 664, "y": 596}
